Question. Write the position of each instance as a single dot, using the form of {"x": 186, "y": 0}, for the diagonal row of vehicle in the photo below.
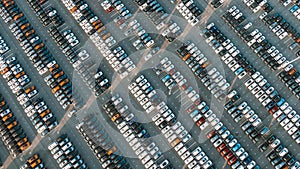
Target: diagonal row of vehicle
{"x": 54, "y": 16}
{"x": 64, "y": 152}
{"x": 295, "y": 9}
{"x": 198, "y": 63}
{"x": 203, "y": 117}
{"x": 176, "y": 134}
{"x": 263, "y": 91}
{"x": 257, "y": 42}
{"x": 279, "y": 156}
{"x": 41, "y": 116}
{"x": 124, "y": 21}
{"x": 160, "y": 19}
{"x": 103, "y": 147}
{"x": 3, "y": 47}
{"x": 216, "y": 3}
{"x": 25, "y": 95}
{"x": 242, "y": 112}
{"x": 189, "y": 10}
{"x": 16, "y": 77}
{"x": 135, "y": 134}
{"x": 35, "y": 49}
{"x": 171, "y": 31}
{"x": 36, "y": 5}
{"x": 124, "y": 15}
{"x": 92, "y": 25}
{"x": 33, "y": 162}
{"x": 281, "y": 27}
{"x": 153, "y": 10}
{"x": 270, "y": 55}
{"x": 12, "y": 134}
{"x": 142, "y": 39}
{"x": 255, "y": 5}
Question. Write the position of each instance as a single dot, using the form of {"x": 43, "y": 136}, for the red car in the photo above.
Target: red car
{"x": 211, "y": 134}
{"x": 221, "y": 147}
{"x": 109, "y": 9}
{"x": 231, "y": 161}
{"x": 229, "y": 156}
{"x": 274, "y": 109}
{"x": 200, "y": 121}
{"x": 172, "y": 71}
{"x": 197, "y": 101}
{"x": 225, "y": 151}
{"x": 185, "y": 86}
{"x": 191, "y": 108}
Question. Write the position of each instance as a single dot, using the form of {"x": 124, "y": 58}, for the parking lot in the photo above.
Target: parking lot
{"x": 118, "y": 50}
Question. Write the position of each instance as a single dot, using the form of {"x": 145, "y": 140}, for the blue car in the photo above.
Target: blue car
{"x": 280, "y": 102}
{"x": 194, "y": 113}
{"x": 236, "y": 147}
{"x": 238, "y": 71}
{"x": 294, "y": 8}
{"x": 166, "y": 78}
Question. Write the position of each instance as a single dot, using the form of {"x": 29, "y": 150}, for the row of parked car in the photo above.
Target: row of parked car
{"x": 41, "y": 116}
{"x": 189, "y": 10}
{"x": 34, "y": 47}
{"x": 124, "y": 21}
{"x": 63, "y": 44}
{"x": 16, "y": 77}
{"x": 242, "y": 110}
{"x": 255, "y": 5}
{"x": 99, "y": 141}
{"x": 289, "y": 78}
{"x": 279, "y": 156}
{"x": 198, "y": 63}
{"x": 92, "y": 25}
{"x": 144, "y": 93}
{"x": 253, "y": 128}
{"x": 64, "y": 152}
{"x": 254, "y": 39}
{"x": 201, "y": 114}
{"x": 135, "y": 134}
{"x": 233, "y": 153}
{"x": 295, "y": 9}
{"x": 3, "y": 46}
{"x": 270, "y": 55}
{"x": 54, "y": 16}
{"x": 160, "y": 18}
{"x": 264, "y": 92}
{"x": 216, "y": 3}
{"x": 281, "y": 27}
{"x": 36, "y": 6}
{"x": 18, "y": 82}
{"x": 12, "y": 134}
{"x": 80, "y": 61}
{"x": 33, "y": 162}
{"x": 173, "y": 131}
